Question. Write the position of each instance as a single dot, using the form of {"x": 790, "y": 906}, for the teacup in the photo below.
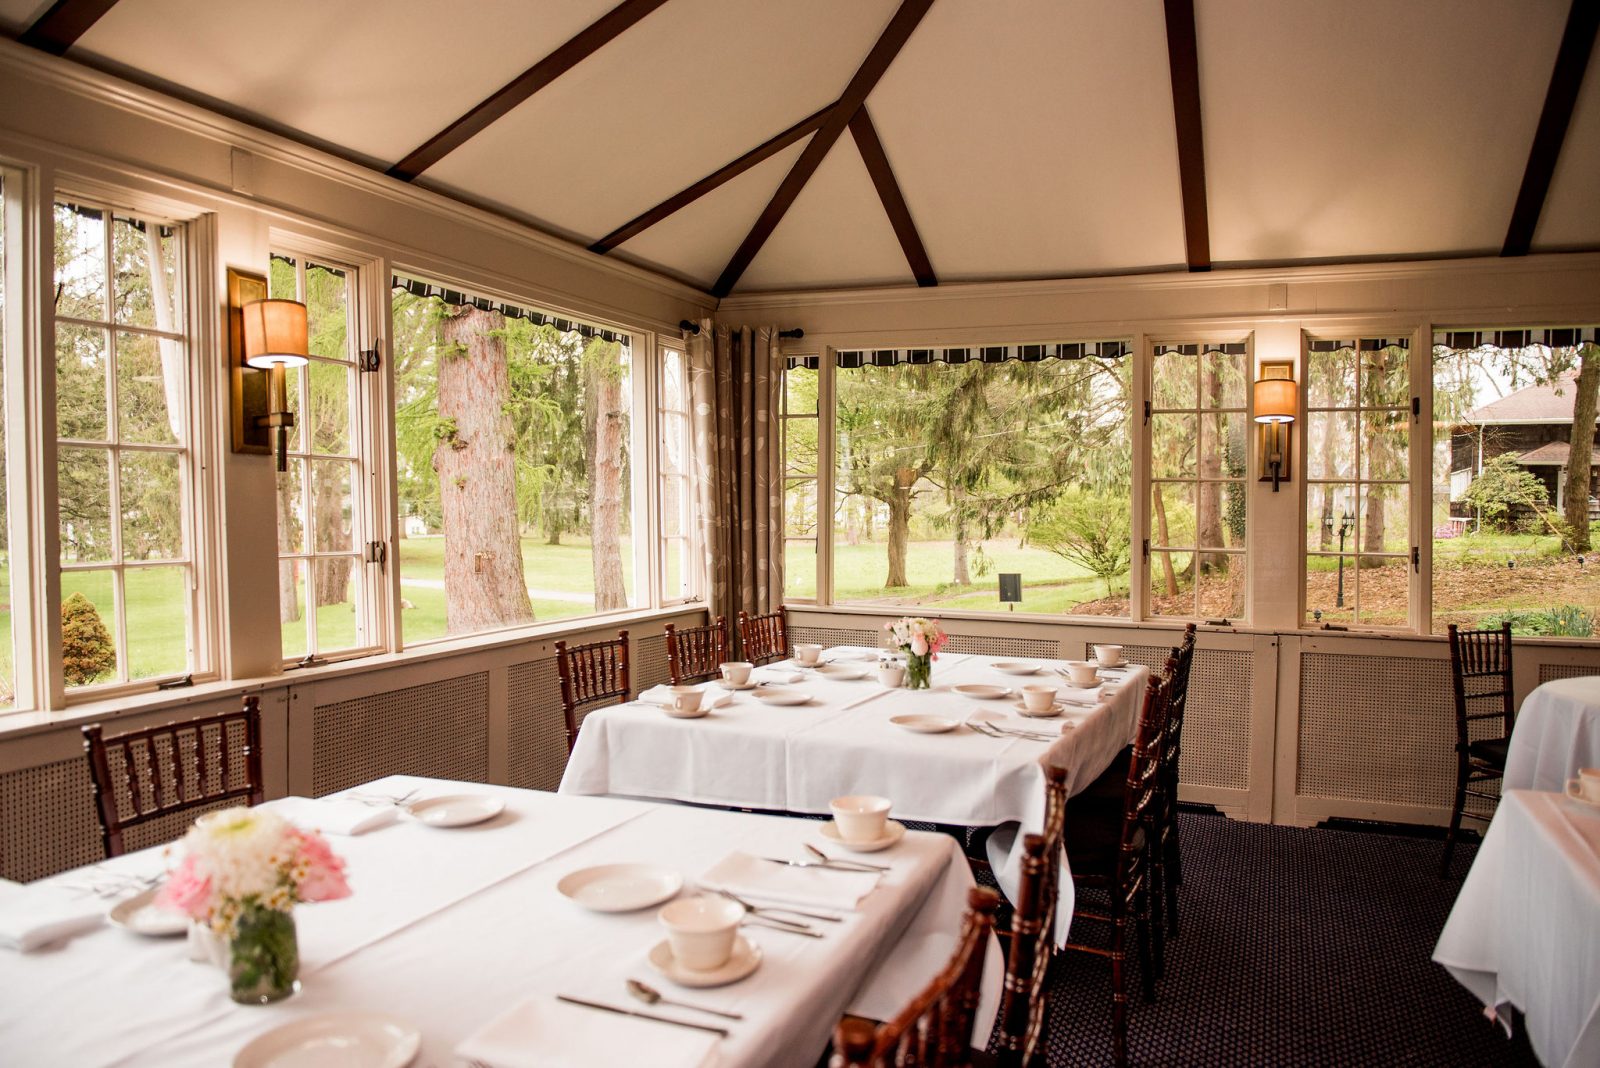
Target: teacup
{"x": 807, "y": 655}
{"x": 1082, "y": 673}
{"x": 860, "y": 818}
{"x": 686, "y": 700}
{"x": 1108, "y": 655}
{"x": 737, "y": 672}
{"x": 701, "y": 930}
{"x": 892, "y": 675}
{"x": 1586, "y": 787}
{"x": 1038, "y": 698}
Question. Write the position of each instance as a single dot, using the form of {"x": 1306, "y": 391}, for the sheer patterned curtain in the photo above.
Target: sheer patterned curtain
{"x": 734, "y": 377}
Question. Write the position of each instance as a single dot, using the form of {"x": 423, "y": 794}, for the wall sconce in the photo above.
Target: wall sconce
{"x": 276, "y": 337}
{"x": 1276, "y": 401}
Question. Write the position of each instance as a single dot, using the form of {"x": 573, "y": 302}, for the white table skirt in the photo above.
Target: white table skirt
{"x": 1525, "y": 929}
{"x": 1556, "y": 733}
{"x": 110, "y": 997}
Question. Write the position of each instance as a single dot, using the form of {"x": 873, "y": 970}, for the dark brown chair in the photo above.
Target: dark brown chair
{"x": 1168, "y": 848}
{"x": 162, "y": 771}
{"x": 763, "y": 639}
{"x": 935, "y": 1030}
{"x": 591, "y": 675}
{"x": 1111, "y": 851}
{"x": 695, "y": 654}
{"x": 1480, "y": 672}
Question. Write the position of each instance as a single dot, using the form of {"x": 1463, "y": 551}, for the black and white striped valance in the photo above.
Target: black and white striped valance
{"x": 1556, "y": 337}
{"x": 1073, "y": 350}
{"x": 1366, "y": 344}
{"x": 98, "y": 213}
{"x": 1231, "y": 348}
{"x": 459, "y": 299}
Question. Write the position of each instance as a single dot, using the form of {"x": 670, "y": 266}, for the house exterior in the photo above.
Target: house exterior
{"x": 1535, "y": 425}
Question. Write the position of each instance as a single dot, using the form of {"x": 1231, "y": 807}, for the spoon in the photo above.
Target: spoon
{"x": 651, "y": 996}
{"x": 820, "y": 855}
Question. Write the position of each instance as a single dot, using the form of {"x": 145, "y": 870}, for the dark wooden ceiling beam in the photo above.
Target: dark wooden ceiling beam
{"x": 866, "y": 77}
{"x": 764, "y": 151}
{"x": 1184, "y": 61}
{"x": 588, "y": 41}
{"x": 67, "y": 20}
{"x": 1572, "y": 59}
{"x": 894, "y": 202}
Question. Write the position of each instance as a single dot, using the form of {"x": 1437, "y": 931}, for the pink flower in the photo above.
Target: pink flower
{"x": 188, "y": 889}
{"x": 324, "y": 872}
{"x": 919, "y": 645}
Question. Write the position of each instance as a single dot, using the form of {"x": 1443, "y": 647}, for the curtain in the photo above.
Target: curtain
{"x": 734, "y": 377}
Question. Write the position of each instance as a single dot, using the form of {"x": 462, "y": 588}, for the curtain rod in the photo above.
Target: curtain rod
{"x": 694, "y": 328}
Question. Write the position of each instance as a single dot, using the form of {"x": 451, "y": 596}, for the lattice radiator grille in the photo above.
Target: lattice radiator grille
{"x": 1551, "y": 672}
{"x": 1216, "y": 723}
{"x": 827, "y": 636}
{"x": 988, "y": 645}
{"x": 536, "y": 746}
{"x": 438, "y": 729}
{"x": 648, "y": 666}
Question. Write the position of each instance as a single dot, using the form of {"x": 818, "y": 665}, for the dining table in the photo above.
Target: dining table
{"x": 470, "y": 934}
{"x": 1525, "y": 929}
{"x": 1557, "y": 731}
{"x": 986, "y": 770}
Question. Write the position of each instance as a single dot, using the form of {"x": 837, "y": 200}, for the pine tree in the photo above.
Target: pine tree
{"x": 87, "y": 651}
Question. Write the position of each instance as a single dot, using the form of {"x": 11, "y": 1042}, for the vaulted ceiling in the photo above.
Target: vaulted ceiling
{"x": 796, "y": 144}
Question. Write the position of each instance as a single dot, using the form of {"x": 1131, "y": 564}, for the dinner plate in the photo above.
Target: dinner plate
{"x": 746, "y": 958}
{"x": 1015, "y": 667}
{"x": 334, "y": 1040}
{"x": 1055, "y": 709}
{"x": 893, "y": 831}
{"x": 841, "y": 671}
{"x": 620, "y": 887}
{"x": 774, "y": 695}
{"x": 141, "y": 915}
{"x": 925, "y": 724}
{"x": 981, "y": 691}
{"x": 455, "y": 810}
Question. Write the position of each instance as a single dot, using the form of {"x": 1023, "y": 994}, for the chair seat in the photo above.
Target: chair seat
{"x": 1491, "y": 751}
{"x": 1093, "y": 835}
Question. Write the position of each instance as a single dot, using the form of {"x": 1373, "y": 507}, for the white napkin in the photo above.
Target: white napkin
{"x": 827, "y": 887}
{"x": 852, "y": 654}
{"x": 37, "y": 917}
{"x": 334, "y": 815}
{"x": 545, "y": 1033}
{"x": 779, "y": 675}
{"x": 715, "y": 696}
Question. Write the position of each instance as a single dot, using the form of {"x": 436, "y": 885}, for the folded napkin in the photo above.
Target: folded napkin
{"x": 778, "y": 674}
{"x": 831, "y": 888}
{"x": 332, "y": 815}
{"x": 545, "y": 1033}
{"x": 852, "y": 654}
{"x": 715, "y": 696}
{"x": 39, "y": 916}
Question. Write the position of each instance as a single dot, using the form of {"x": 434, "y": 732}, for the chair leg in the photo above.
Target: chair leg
{"x": 1175, "y": 855}
{"x": 1143, "y": 938}
{"x": 1455, "y": 822}
{"x": 1157, "y": 921}
{"x": 1119, "y": 991}
{"x": 1172, "y": 878}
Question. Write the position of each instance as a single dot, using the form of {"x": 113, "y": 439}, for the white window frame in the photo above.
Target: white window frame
{"x": 692, "y": 581}
{"x": 825, "y": 451}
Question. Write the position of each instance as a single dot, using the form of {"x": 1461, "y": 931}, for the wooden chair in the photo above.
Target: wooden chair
{"x": 763, "y": 639}
{"x": 591, "y": 675}
{"x": 935, "y": 1030}
{"x": 162, "y": 771}
{"x": 1111, "y": 851}
{"x": 1480, "y": 672}
{"x": 695, "y": 654}
{"x": 1168, "y": 848}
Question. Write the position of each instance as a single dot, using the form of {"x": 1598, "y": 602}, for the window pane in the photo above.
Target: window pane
{"x": 327, "y": 301}
{"x": 1221, "y": 586}
{"x": 291, "y": 508}
{"x": 1223, "y": 445}
{"x": 88, "y": 627}
{"x": 1173, "y": 440}
{"x": 331, "y": 526}
{"x": 1385, "y": 591}
{"x": 1330, "y": 444}
{"x": 1173, "y": 380}
{"x": 80, "y": 263}
{"x": 800, "y": 391}
{"x": 674, "y": 444}
{"x": 673, "y": 491}
{"x": 338, "y": 592}
{"x": 1386, "y": 377}
{"x": 7, "y": 650}
{"x": 1223, "y": 379}
{"x": 677, "y": 570}
{"x": 81, "y": 382}
{"x": 152, "y": 505}
{"x": 1219, "y": 515}
{"x": 1331, "y": 589}
{"x": 1330, "y": 517}
{"x": 146, "y": 263}
{"x": 291, "y": 607}
{"x": 800, "y": 446}
{"x": 800, "y": 569}
{"x": 157, "y": 605}
{"x": 1172, "y": 583}
{"x": 329, "y": 415}
{"x": 84, "y": 500}
{"x": 1331, "y": 378}
{"x": 674, "y": 391}
{"x": 800, "y": 509}
{"x": 150, "y": 389}
{"x": 1172, "y": 513}
{"x": 1385, "y": 441}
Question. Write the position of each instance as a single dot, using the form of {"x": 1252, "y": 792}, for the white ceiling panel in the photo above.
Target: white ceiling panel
{"x": 696, "y": 243}
{"x": 655, "y": 111}
{"x": 835, "y": 233}
{"x": 378, "y": 77}
{"x": 1571, "y": 216}
{"x": 18, "y": 15}
{"x": 1036, "y": 144}
{"x": 1367, "y": 127}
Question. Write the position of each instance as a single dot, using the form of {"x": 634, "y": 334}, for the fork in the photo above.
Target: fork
{"x": 758, "y": 909}
{"x": 991, "y": 731}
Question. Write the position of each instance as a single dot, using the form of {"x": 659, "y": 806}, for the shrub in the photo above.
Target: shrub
{"x": 87, "y": 651}
{"x": 1090, "y": 529}
{"x": 1564, "y": 621}
{"x": 1503, "y": 488}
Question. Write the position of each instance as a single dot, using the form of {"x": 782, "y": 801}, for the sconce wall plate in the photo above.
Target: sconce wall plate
{"x": 250, "y": 398}
{"x": 1276, "y": 437}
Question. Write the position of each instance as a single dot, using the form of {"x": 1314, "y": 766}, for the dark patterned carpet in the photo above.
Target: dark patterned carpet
{"x": 1298, "y": 947}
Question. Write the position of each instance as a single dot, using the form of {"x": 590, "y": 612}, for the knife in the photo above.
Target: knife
{"x": 723, "y": 1031}
{"x": 830, "y": 865}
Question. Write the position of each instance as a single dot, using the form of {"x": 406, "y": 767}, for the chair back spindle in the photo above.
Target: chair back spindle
{"x": 695, "y": 654}
{"x": 763, "y": 639}
{"x": 591, "y": 675}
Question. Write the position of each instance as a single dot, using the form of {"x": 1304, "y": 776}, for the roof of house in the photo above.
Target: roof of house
{"x": 1548, "y": 403}
{"x": 1553, "y": 453}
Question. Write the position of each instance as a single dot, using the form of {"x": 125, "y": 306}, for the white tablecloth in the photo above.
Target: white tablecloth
{"x": 1556, "y": 733}
{"x": 462, "y": 941}
{"x": 1525, "y": 929}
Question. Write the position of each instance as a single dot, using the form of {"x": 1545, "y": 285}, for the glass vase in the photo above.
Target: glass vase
{"x": 918, "y": 670}
{"x": 263, "y": 956}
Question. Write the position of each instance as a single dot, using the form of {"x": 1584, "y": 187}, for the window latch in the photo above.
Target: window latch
{"x": 1334, "y": 626}
{"x": 1146, "y": 413}
{"x": 1416, "y": 559}
{"x": 176, "y": 684}
{"x": 370, "y": 360}
{"x": 1416, "y": 408}
{"x": 1216, "y": 623}
{"x": 1147, "y": 548}
{"x": 307, "y": 660}
{"x": 377, "y": 552}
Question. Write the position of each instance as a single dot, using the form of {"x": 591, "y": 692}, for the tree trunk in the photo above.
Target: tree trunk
{"x": 960, "y": 576}
{"x": 605, "y": 432}
{"x": 483, "y": 582}
{"x": 1379, "y": 458}
{"x": 1325, "y": 538}
{"x": 899, "y": 526}
{"x": 1581, "y": 453}
{"x": 1208, "y": 506}
{"x": 330, "y": 529}
{"x": 288, "y": 596}
{"x": 1168, "y": 575}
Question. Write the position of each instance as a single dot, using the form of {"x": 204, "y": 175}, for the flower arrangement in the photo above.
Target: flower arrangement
{"x": 920, "y": 639}
{"x": 242, "y": 873}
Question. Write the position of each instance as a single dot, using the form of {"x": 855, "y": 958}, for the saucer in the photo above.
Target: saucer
{"x": 141, "y": 915}
{"x": 746, "y": 958}
{"x": 699, "y": 713}
{"x": 1015, "y": 667}
{"x": 846, "y": 672}
{"x": 748, "y": 684}
{"x": 1055, "y": 709}
{"x": 365, "y": 1038}
{"x": 893, "y": 831}
{"x": 924, "y": 724}
{"x": 981, "y": 691}
{"x": 774, "y": 695}
{"x": 620, "y": 887}
{"x": 1121, "y": 663}
{"x": 457, "y": 810}
{"x": 1580, "y": 799}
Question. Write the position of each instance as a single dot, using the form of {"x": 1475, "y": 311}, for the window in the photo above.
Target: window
{"x": 800, "y": 519}
{"x": 1513, "y": 511}
{"x": 678, "y": 568}
{"x": 1358, "y": 492}
{"x": 513, "y": 438}
{"x": 954, "y": 466}
{"x": 8, "y": 657}
{"x": 323, "y": 591}
{"x": 122, "y": 416}
{"x": 1199, "y": 450}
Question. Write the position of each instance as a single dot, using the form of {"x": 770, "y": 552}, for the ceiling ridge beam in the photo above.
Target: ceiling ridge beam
{"x": 866, "y": 77}
{"x": 682, "y": 199}
{"x": 587, "y": 42}
{"x": 1184, "y": 62}
{"x": 1566, "y": 77}
{"x": 894, "y": 202}
{"x": 67, "y": 20}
